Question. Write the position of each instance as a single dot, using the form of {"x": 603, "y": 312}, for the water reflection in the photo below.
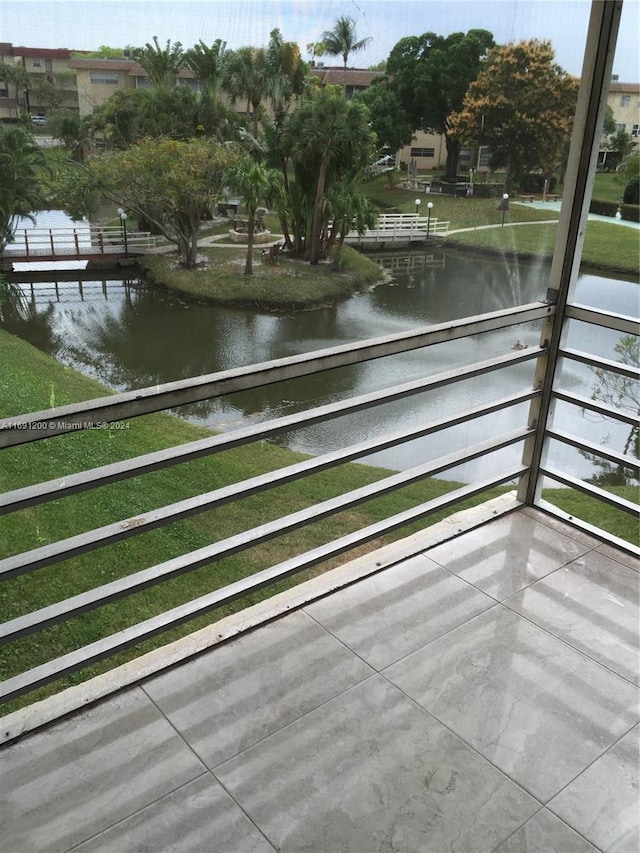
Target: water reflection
{"x": 129, "y": 336}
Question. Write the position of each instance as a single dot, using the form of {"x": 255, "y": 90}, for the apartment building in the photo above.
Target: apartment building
{"x": 51, "y": 81}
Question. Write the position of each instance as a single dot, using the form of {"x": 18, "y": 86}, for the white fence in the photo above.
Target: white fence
{"x": 400, "y": 228}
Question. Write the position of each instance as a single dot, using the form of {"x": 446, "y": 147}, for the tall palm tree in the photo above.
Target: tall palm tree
{"x": 329, "y": 137}
{"x": 257, "y": 184}
{"x": 342, "y": 40}
{"x": 162, "y": 65}
{"x": 245, "y": 76}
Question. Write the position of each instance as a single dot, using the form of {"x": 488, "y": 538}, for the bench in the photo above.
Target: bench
{"x": 527, "y": 197}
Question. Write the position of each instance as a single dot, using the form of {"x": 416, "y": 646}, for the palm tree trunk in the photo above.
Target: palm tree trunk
{"x": 317, "y": 214}
{"x": 251, "y": 225}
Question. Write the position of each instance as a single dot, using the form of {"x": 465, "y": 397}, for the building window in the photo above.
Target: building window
{"x": 37, "y": 63}
{"x": 105, "y": 77}
{"x": 635, "y": 130}
{"x": 620, "y": 128}
{"x": 625, "y": 100}
{"x": 423, "y": 152}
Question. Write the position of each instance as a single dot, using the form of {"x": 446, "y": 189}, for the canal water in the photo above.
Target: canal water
{"x": 130, "y": 336}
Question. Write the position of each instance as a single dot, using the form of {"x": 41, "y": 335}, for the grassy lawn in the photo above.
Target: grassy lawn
{"x": 289, "y": 284}
{"x": 27, "y": 383}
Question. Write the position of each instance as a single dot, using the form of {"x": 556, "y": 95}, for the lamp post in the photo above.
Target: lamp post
{"x": 505, "y": 206}
{"x": 429, "y": 208}
{"x": 123, "y": 220}
{"x": 418, "y": 203}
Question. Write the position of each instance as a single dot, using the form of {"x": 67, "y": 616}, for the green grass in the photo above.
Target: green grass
{"x": 289, "y": 284}
{"x": 29, "y": 381}
{"x": 608, "y": 186}
{"x": 598, "y": 514}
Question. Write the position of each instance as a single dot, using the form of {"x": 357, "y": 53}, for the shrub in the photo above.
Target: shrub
{"x": 632, "y": 192}
{"x": 603, "y": 208}
{"x": 488, "y": 190}
{"x": 630, "y": 212}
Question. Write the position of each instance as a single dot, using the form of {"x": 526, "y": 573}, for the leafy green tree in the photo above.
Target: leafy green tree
{"x": 342, "y": 40}
{"x": 257, "y": 184}
{"x": 328, "y": 139}
{"x": 349, "y": 209}
{"x": 21, "y": 164}
{"x": 169, "y": 183}
{"x": 389, "y": 119}
{"x": 161, "y": 65}
{"x": 286, "y": 73}
{"x": 430, "y": 75}
{"x": 521, "y": 104}
{"x": 206, "y": 64}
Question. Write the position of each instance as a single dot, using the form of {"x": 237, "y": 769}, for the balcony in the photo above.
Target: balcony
{"x": 471, "y": 686}
{"x": 478, "y": 695}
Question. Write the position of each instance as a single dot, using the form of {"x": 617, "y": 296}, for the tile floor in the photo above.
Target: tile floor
{"x": 482, "y": 696}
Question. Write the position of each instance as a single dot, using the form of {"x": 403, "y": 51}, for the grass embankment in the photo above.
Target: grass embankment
{"x": 32, "y": 381}
{"x": 285, "y": 285}
{"x": 608, "y": 246}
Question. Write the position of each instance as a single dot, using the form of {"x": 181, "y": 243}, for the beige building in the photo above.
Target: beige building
{"x": 624, "y": 100}
{"x": 42, "y": 66}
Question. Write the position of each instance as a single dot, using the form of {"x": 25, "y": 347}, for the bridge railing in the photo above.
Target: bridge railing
{"x": 400, "y": 227}
{"x": 78, "y": 242}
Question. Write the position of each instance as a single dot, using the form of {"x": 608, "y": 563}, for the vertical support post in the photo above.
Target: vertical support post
{"x": 75, "y": 240}
{"x": 51, "y": 243}
{"x": 583, "y": 154}
{"x": 26, "y": 242}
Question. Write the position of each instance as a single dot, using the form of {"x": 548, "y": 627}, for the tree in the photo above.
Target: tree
{"x": 21, "y": 163}
{"x": 430, "y": 75}
{"x": 245, "y": 77}
{"x": 389, "y": 119}
{"x": 348, "y": 209}
{"x": 161, "y": 65}
{"x": 206, "y": 64}
{"x": 169, "y": 183}
{"x": 257, "y": 184}
{"x": 521, "y": 105}
{"x": 286, "y": 73}
{"x": 342, "y": 41}
{"x": 329, "y": 139}
{"x": 72, "y": 131}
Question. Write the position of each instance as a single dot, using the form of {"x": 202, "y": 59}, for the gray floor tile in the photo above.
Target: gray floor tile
{"x": 388, "y": 615}
{"x": 78, "y": 777}
{"x": 370, "y": 772}
{"x": 594, "y": 604}
{"x": 229, "y": 698}
{"x": 602, "y": 803}
{"x": 545, "y": 833}
{"x": 532, "y": 705}
{"x": 507, "y": 555}
{"x": 200, "y": 817}
{"x": 629, "y": 560}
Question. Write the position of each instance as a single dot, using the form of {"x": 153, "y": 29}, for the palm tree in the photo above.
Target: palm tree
{"x": 245, "y": 76}
{"x": 286, "y": 73}
{"x": 162, "y": 65}
{"x": 328, "y": 137}
{"x": 342, "y": 40}
{"x": 257, "y": 184}
{"x": 206, "y": 64}
{"x": 21, "y": 162}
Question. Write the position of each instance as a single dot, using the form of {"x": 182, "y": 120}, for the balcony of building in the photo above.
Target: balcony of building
{"x": 469, "y": 684}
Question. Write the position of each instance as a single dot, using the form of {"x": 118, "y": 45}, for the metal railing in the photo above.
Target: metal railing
{"x": 68, "y": 243}
{"x": 48, "y": 425}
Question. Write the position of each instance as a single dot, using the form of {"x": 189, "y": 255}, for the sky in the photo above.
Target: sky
{"x": 88, "y": 24}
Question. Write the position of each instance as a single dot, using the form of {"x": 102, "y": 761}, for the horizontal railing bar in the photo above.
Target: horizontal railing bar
{"x": 17, "y": 686}
{"x": 136, "y": 525}
{"x": 598, "y": 408}
{"x": 103, "y": 475}
{"x": 162, "y": 572}
{"x": 614, "y": 541}
{"x": 609, "y": 319}
{"x": 601, "y": 363}
{"x": 596, "y": 449}
{"x": 593, "y": 491}
{"x": 20, "y": 429}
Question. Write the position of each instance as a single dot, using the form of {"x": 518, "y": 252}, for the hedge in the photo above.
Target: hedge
{"x": 630, "y": 212}
{"x": 604, "y": 208}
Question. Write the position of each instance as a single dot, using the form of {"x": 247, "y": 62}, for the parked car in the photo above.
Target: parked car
{"x": 40, "y": 121}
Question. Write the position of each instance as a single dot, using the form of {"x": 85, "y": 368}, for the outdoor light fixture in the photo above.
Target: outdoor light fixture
{"x": 505, "y": 206}
{"x": 123, "y": 220}
{"x": 418, "y": 203}
{"x": 429, "y": 208}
